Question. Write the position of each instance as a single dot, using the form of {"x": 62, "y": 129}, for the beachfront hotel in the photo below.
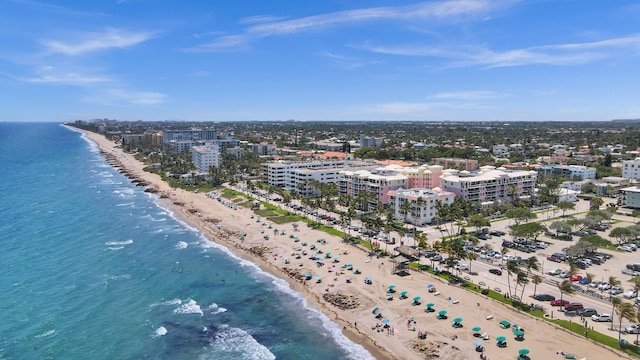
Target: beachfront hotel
{"x": 423, "y": 204}
{"x": 488, "y": 184}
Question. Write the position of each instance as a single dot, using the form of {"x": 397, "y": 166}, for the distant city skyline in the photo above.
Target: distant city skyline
{"x": 459, "y": 60}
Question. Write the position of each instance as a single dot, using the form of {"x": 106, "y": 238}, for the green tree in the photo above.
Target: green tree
{"x": 520, "y": 214}
{"x": 535, "y": 280}
{"x": 625, "y": 310}
{"x": 622, "y": 234}
{"x": 595, "y": 203}
{"x": 565, "y": 287}
{"x": 565, "y": 205}
{"x": 478, "y": 221}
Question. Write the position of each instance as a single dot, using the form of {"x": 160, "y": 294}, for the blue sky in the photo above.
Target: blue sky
{"x": 460, "y": 60}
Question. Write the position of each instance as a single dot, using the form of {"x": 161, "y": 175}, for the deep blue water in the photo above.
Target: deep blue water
{"x": 93, "y": 268}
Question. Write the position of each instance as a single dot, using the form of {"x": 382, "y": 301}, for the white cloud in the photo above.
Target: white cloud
{"x": 52, "y": 75}
{"x": 451, "y": 9}
{"x": 91, "y": 42}
{"x": 556, "y": 54}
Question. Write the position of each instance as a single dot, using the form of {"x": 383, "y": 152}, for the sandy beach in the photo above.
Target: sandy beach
{"x": 341, "y": 292}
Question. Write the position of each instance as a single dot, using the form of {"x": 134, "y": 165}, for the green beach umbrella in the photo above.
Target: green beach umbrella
{"x": 518, "y": 333}
{"x": 392, "y": 286}
{"x": 523, "y": 351}
{"x": 476, "y": 329}
{"x": 403, "y": 293}
{"x": 442, "y": 312}
{"x": 431, "y": 305}
{"x": 457, "y": 320}
{"x": 417, "y": 298}
{"x": 501, "y": 338}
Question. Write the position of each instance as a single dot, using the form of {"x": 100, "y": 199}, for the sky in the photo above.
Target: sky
{"x": 457, "y": 60}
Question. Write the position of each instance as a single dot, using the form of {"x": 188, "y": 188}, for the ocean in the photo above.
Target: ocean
{"x": 95, "y": 268}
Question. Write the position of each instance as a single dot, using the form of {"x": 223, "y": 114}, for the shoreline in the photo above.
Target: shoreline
{"x": 358, "y": 324}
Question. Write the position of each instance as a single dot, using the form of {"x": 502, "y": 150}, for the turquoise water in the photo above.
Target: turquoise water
{"x": 93, "y": 268}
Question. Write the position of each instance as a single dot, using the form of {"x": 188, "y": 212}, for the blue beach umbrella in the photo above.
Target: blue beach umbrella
{"x": 477, "y": 343}
{"x": 385, "y": 321}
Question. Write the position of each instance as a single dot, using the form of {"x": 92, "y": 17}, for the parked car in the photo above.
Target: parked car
{"x": 554, "y": 272}
{"x": 604, "y": 286}
{"x": 630, "y": 294}
{"x": 601, "y": 317}
{"x": 595, "y": 284}
{"x": 632, "y": 329}
{"x": 616, "y": 290}
{"x": 576, "y": 277}
{"x": 586, "y": 312}
{"x": 497, "y": 233}
{"x": 544, "y": 297}
{"x": 553, "y": 258}
{"x": 496, "y": 271}
{"x": 625, "y": 248}
{"x": 564, "y": 274}
{"x": 584, "y": 281}
{"x": 573, "y": 306}
{"x": 630, "y": 272}
{"x": 562, "y": 303}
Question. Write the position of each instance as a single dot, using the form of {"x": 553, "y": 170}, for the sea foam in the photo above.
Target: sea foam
{"x": 241, "y": 344}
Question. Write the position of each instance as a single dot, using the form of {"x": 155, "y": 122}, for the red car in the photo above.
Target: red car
{"x": 554, "y": 259}
{"x": 575, "y": 277}
{"x": 562, "y": 303}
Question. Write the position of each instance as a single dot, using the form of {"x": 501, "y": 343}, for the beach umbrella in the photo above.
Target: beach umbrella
{"x": 442, "y": 312}
{"x": 523, "y": 351}
{"x": 392, "y": 286}
{"x": 457, "y": 320}
{"x": 476, "y": 329}
{"x": 375, "y": 311}
{"x": 417, "y": 298}
{"x": 477, "y": 343}
{"x": 429, "y": 286}
{"x": 385, "y": 321}
{"x": 501, "y": 338}
{"x": 403, "y": 293}
{"x": 518, "y": 333}
{"x": 431, "y": 305}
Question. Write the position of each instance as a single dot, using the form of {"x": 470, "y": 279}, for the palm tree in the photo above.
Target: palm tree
{"x": 638, "y": 320}
{"x": 590, "y": 277}
{"x": 625, "y": 310}
{"x": 536, "y": 279}
{"x": 512, "y": 268}
{"x": 614, "y": 302}
{"x": 613, "y": 281}
{"x": 565, "y": 287}
{"x": 531, "y": 264}
{"x": 521, "y": 278}
{"x": 405, "y": 208}
{"x": 471, "y": 256}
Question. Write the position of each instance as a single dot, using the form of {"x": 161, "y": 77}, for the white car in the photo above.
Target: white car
{"x": 632, "y": 329}
{"x": 601, "y": 318}
{"x": 564, "y": 274}
{"x": 630, "y": 294}
{"x": 630, "y": 272}
{"x": 554, "y": 272}
{"x": 595, "y": 284}
{"x": 625, "y": 248}
{"x": 604, "y": 286}
{"x": 616, "y": 290}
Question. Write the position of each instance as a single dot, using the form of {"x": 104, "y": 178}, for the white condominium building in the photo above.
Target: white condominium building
{"x": 489, "y": 184}
{"x": 422, "y": 204}
{"x": 631, "y": 169}
{"x": 568, "y": 171}
{"x": 204, "y": 157}
{"x": 298, "y": 175}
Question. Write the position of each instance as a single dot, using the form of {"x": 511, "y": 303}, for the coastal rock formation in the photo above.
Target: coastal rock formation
{"x": 259, "y": 251}
{"x": 342, "y": 301}
{"x": 429, "y": 348}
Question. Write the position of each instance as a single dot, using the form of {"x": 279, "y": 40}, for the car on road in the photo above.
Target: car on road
{"x": 632, "y": 329}
{"x": 587, "y": 312}
{"x": 496, "y": 271}
{"x": 554, "y": 272}
{"x": 601, "y": 318}
{"x": 616, "y": 290}
{"x": 625, "y": 248}
{"x": 574, "y": 306}
{"x": 562, "y": 303}
{"x": 630, "y": 294}
{"x": 544, "y": 297}
{"x": 576, "y": 277}
{"x": 497, "y": 233}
